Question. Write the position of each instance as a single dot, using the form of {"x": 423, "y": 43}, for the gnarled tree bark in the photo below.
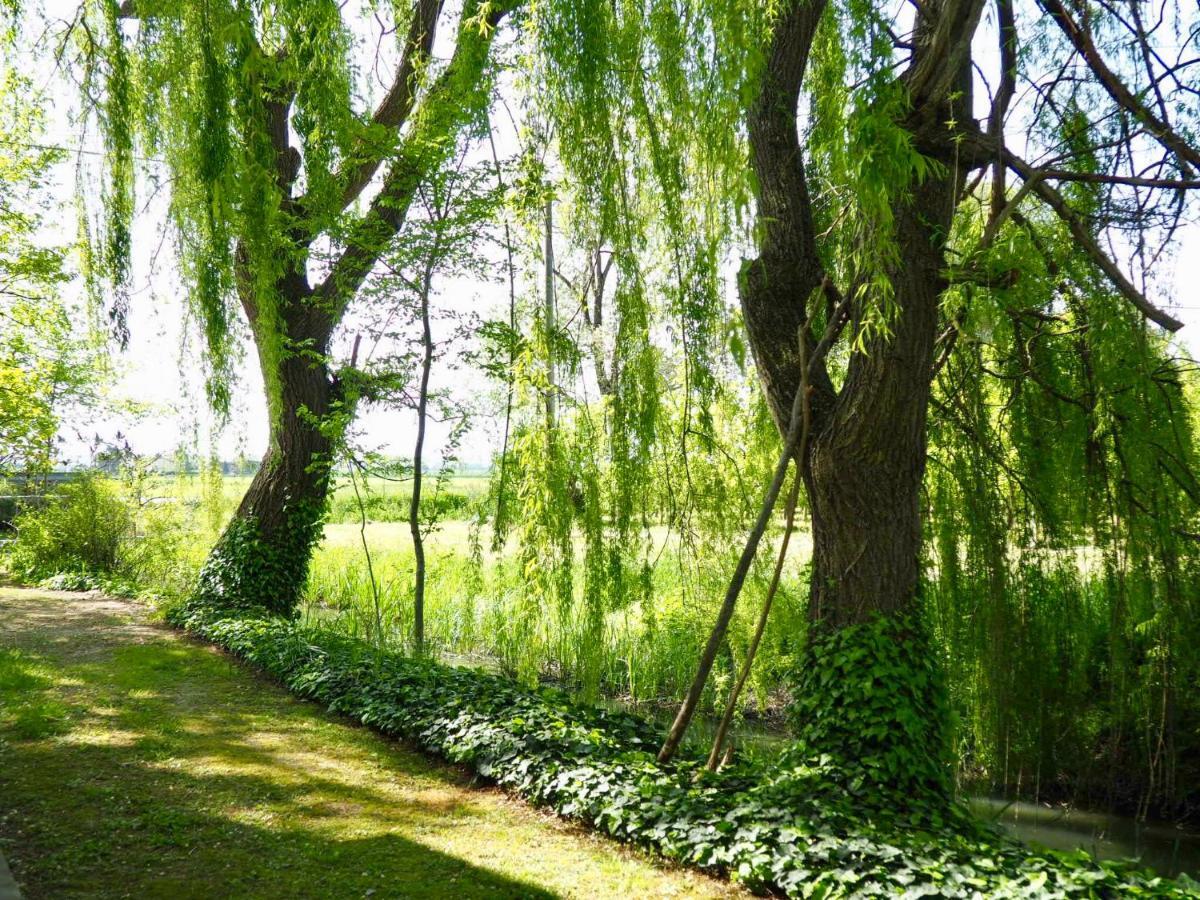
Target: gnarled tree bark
{"x": 864, "y": 464}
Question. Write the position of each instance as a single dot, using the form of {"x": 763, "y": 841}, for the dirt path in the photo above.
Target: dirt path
{"x": 135, "y": 763}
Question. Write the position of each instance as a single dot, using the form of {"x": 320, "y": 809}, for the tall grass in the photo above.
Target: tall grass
{"x": 645, "y": 652}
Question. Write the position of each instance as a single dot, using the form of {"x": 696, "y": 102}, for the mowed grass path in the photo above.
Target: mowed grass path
{"x": 136, "y": 763}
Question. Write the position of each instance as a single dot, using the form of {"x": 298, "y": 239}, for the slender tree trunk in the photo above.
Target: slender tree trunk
{"x": 414, "y": 506}
{"x": 606, "y": 379}
{"x": 500, "y": 525}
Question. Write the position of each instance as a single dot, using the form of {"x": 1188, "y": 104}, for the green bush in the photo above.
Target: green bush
{"x": 168, "y": 550}
{"x": 795, "y": 826}
{"x": 84, "y": 527}
{"x": 100, "y": 532}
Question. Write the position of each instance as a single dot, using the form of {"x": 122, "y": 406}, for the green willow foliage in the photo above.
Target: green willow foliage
{"x": 623, "y": 471}
{"x": 1062, "y": 503}
{"x": 647, "y": 102}
{"x": 181, "y": 106}
{"x": 1061, "y": 496}
{"x": 862, "y": 159}
{"x": 634, "y": 91}
{"x": 1061, "y": 500}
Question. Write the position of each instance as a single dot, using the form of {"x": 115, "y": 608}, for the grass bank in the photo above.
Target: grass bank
{"x": 872, "y": 818}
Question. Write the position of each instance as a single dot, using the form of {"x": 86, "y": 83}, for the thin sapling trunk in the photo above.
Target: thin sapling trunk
{"x": 790, "y": 447}
{"x": 548, "y": 320}
{"x": 414, "y": 506}
{"x": 715, "y": 757}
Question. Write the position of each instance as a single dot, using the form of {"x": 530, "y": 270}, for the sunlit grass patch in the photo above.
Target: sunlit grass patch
{"x": 28, "y": 709}
{"x": 178, "y": 774}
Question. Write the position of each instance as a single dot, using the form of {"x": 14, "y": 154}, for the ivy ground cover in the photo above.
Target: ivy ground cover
{"x": 795, "y": 827}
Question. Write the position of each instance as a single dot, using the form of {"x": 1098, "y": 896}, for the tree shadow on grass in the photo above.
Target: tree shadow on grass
{"x": 165, "y": 777}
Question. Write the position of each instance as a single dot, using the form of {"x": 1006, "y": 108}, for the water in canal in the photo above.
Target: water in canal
{"x": 1165, "y": 848}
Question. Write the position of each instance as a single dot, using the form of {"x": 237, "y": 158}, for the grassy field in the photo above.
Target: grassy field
{"x": 381, "y": 499}
{"x": 192, "y": 487}
{"x": 139, "y": 764}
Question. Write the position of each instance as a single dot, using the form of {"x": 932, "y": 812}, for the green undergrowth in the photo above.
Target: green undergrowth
{"x": 805, "y": 825}
{"x": 251, "y": 567}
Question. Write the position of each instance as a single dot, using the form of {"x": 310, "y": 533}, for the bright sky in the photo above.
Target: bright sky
{"x": 160, "y": 370}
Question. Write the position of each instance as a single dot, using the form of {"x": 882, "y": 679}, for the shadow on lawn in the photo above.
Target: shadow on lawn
{"x": 147, "y": 771}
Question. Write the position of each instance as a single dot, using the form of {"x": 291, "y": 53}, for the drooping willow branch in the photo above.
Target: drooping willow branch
{"x": 500, "y": 523}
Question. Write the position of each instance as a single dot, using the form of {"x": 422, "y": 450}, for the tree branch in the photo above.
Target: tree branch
{"x": 1083, "y": 237}
{"x": 1177, "y": 184}
{"x": 393, "y": 111}
{"x": 447, "y": 105}
{"x": 1008, "y": 85}
{"x": 1081, "y": 40}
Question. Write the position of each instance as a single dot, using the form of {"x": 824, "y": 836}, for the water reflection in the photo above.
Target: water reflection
{"x": 1165, "y": 848}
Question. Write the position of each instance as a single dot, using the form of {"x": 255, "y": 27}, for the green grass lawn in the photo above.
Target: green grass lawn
{"x": 134, "y": 763}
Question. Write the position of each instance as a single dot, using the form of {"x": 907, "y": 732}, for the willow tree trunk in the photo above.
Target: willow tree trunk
{"x": 261, "y": 560}
{"x": 867, "y": 461}
{"x": 868, "y": 694}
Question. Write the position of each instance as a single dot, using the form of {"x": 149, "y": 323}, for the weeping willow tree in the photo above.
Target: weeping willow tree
{"x": 951, "y": 211}
{"x": 285, "y": 189}
{"x": 913, "y": 167}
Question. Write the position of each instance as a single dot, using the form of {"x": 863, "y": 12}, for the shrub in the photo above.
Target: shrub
{"x": 94, "y": 532}
{"x": 84, "y": 528}
{"x": 72, "y": 581}
{"x": 794, "y": 826}
{"x": 168, "y": 550}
